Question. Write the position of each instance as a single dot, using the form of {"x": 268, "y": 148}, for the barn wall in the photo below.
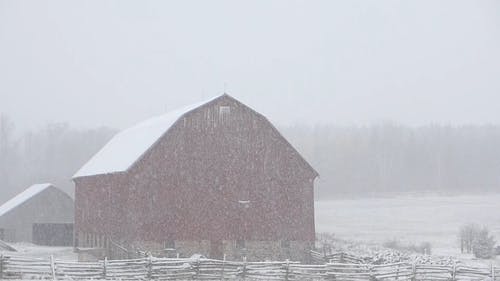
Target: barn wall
{"x": 100, "y": 209}
{"x": 194, "y": 177}
{"x": 188, "y": 186}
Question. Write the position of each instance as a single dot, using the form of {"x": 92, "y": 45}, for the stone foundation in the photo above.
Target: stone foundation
{"x": 233, "y": 250}
{"x": 189, "y": 248}
{"x": 268, "y": 250}
{"x": 230, "y": 249}
{"x": 182, "y": 249}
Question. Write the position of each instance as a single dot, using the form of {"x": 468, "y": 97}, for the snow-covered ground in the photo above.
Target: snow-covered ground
{"x": 410, "y": 219}
{"x": 31, "y": 250}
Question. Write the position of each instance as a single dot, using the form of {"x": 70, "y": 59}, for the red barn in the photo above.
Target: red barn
{"x": 215, "y": 178}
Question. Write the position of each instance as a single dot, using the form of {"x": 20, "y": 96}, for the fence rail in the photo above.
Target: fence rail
{"x": 14, "y": 267}
{"x": 339, "y": 257}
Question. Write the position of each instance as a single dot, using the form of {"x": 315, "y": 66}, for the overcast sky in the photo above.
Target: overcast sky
{"x": 114, "y": 63}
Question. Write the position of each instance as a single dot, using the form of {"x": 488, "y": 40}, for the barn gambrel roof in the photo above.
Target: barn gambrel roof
{"x": 126, "y": 147}
{"x": 129, "y": 145}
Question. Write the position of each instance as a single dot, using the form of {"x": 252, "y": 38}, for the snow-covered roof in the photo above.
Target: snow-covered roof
{"x": 126, "y": 147}
{"x": 23, "y": 197}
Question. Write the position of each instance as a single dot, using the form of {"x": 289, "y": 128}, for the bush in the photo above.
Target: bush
{"x": 392, "y": 244}
{"x": 484, "y": 244}
{"x": 325, "y": 242}
{"x": 422, "y": 248}
{"x": 425, "y": 248}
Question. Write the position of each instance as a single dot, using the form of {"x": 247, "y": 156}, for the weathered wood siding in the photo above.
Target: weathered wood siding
{"x": 188, "y": 186}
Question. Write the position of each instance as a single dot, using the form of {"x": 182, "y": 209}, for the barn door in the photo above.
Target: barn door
{"x": 52, "y": 234}
{"x": 216, "y": 250}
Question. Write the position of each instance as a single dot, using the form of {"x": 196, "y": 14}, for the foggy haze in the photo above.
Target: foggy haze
{"x": 359, "y": 136}
{"x": 114, "y": 63}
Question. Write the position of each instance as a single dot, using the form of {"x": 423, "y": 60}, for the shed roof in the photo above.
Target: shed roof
{"x": 23, "y": 197}
{"x": 126, "y": 147}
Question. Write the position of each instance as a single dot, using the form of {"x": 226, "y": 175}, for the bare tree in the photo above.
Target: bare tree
{"x": 50, "y": 154}
{"x": 467, "y": 235}
{"x": 7, "y": 150}
{"x": 325, "y": 242}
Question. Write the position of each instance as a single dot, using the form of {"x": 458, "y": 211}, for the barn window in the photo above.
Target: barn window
{"x": 285, "y": 244}
{"x": 151, "y": 202}
{"x": 9, "y": 234}
{"x": 224, "y": 112}
{"x": 170, "y": 244}
{"x": 240, "y": 244}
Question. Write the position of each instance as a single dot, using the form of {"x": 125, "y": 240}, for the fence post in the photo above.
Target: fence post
{"x": 52, "y": 267}
{"x": 414, "y": 271}
{"x": 1, "y": 267}
{"x": 222, "y": 271}
{"x": 492, "y": 271}
{"x": 150, "y": 266}
{"x": 287, "y": 269}
{"x": 104, "y": 265}
{"x": 244, "y": 267}
{"x": 370, "y": 273}
{"x": 454, "y": 271}
{"x": 197, "y": 269}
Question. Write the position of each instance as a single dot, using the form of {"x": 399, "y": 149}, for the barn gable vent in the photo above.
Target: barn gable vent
{"x": 224, "y": 112}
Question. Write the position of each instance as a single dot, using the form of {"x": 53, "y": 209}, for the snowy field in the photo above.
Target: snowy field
{"x": 410, "y": 219}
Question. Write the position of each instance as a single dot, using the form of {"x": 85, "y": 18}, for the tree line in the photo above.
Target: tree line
{"x": 390, "y": 158}
{"x": 352, "y": 161}
{"x": 50, "y": 154}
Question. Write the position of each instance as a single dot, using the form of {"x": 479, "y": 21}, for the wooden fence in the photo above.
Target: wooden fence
{"x": 13, "y": 267}
{"x": 339, "y": 257}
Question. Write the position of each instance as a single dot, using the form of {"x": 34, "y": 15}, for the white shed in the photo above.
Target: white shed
{"x": 41, "y": 214}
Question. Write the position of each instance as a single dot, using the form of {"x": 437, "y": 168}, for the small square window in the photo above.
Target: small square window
{"x": 170, "y": 244}
{"x": 285, "y": 243}
{"x": 240, "y": 244}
